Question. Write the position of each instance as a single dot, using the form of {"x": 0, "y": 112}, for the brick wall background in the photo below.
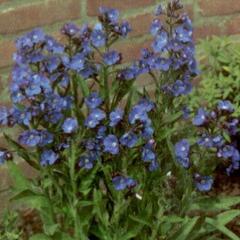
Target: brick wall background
{"x": 210, "y": 17}
{"x": 218, "y": 17}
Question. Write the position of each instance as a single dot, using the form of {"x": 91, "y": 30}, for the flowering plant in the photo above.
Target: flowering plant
{"x": 103, "y": 147}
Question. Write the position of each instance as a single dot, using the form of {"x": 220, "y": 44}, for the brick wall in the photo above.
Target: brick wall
{"x": 210, "y": 17}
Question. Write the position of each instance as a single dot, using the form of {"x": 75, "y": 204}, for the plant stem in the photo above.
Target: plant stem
{"x": 78, "y": 234}
{"x": 106, "y": 88}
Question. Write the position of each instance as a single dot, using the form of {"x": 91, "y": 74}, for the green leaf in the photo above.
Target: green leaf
{"x": 40, "y": 236}
{"x": 86, "y": 203}
{"x": 19, "y": 180}
{"x": 23, "y": 194}
{"x": 42, "y": 204}
{"x": 227, "y": 216}
{"x": 84, "y": 86}
{"x": 98, "y": 208}
{"x": 62, "y": 236}
{"x": 215, "y": 203}
{"x": 222, "y": 229}
{"x": 184, "y": 232}
{"x": 140, "y": 220}
{"x": 21, "y": 151}
{"x": 171, "y": 118}
{"x": 132, "y": 233}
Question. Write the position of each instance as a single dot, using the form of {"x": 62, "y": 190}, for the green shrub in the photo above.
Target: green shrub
{"x": 220, "y": 73}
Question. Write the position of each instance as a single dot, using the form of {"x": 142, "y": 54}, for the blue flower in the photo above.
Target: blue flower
{"x": 147, "y": 131}
{"x": 235, "y": 165}
{"x": 93, "y": 100}
{"x": 200, "y": 118}
{"x": 77, "y": 62}
{"x": 159, "y": 10}
{"x": 51, "y": 45}
{"x": 70, "y": 29}
{"x": 111, "y": 58}
{"x": 52, "y": 63}
{"x": 203, "y": 183}
{"x": 129, "y": 73}
{"x": 153, "y": 166}
{"x": 156, "y": 26}
{"x": 37, "y": 84}
{"x": 115, "y": 117}
{"x": 101, "y": 132}
{"x": 186, "y": 112}
{"x": 110, "y": 14}
{"x": 205, "y": 141}
{"x": 139, "y": 111}
{"x": 181, "y": 88}
{"x": 233, "y": 126}
{"x": 124, "y": 29}
{"x": 111, "y": 144}
{"x": 218, "y": 141}
{"x": 95, "y": 117}
{"x": 129, "y": 139}
{"x": 21, "y": 116}
{"x": 146, "y": 104}
{"x": 86, "y": 161}
{"x": 160, "y": 42}
{"x": 120, "y": 183}
{"x": 227, "y": 151}
{"x": 148, "y": 154}
{"x": 98, "y": 36}
{"x": 161, "y": 64}
{"x": 182, "y": 149}
{"x": 26, "y": 42}
{"x": 3, "y": 157}
{"x": 183, "y": 35}
{"x": 53, "y": 105}
{"x": 30, "y": 138}
{"x": 225, "y": 106}
{"x": 45, "y": 138}
{"x": 4, "y": 114}
{"x": 48, "y": 157}
{"x": 70, "y": 125}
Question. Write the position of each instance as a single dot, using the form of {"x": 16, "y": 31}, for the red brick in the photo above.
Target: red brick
{"x": 38, "y": 14}
{"x": 189, "y": 10}
{"x": 219, "y": 7}
{"x": 7, "y": 48}
{"x": 232, "y": 26}
{"x": 140, "y": 24}
{"x": 93, "y": 5}
{"x": 206, "y": 30}
{"x": 132, "y": 50}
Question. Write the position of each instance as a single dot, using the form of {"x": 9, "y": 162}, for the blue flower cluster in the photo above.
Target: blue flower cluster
{"x": 219, "y": 132}
{"x": 171, "y": 51}
{"x": 140, "y": 132}
{"x": 182, "y": 149}
{"x": 48, "y": 107}
{"x": 121, "y": 182}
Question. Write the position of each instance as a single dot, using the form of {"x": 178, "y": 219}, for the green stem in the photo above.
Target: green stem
{"x": 106, "y": 88}
{"x": 78, "y": 234}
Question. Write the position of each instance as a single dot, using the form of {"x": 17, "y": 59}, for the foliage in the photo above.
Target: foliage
{"x": 104, "y": 149}
{"x": 219, "y": 62}
{"x": 8, "y": 229}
